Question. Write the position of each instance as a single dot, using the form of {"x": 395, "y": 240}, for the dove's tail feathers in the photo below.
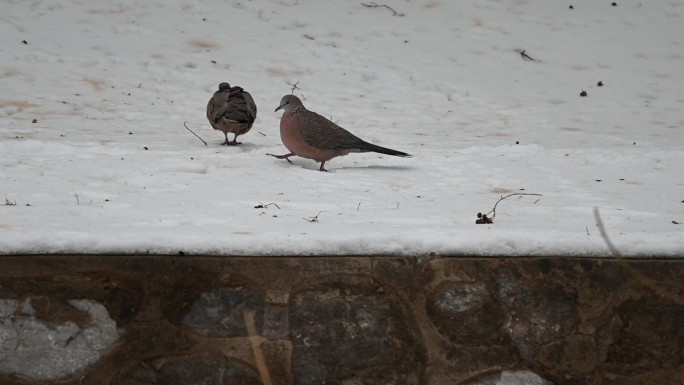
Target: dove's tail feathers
{"x": 384, "y": 150}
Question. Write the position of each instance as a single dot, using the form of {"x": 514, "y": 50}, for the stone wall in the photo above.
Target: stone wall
{"x": 182, "y": 320}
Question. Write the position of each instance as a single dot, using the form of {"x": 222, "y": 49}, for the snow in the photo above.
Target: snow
{"x": 442, "y": 80}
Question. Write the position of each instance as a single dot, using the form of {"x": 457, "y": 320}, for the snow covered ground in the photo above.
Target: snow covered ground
{"x": 94, "y": 157}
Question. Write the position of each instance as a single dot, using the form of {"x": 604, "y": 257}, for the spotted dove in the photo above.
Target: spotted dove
{"x": 231, "y": 109}
{"x": 309, "y": 135}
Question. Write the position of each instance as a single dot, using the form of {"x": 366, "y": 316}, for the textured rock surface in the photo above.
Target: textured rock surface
{"x": 134, "y": 320}
{"x": 200, "y": 369}
{"x": 220, "y": 312}
{"x": 344, "y": 329}
{"x": 40, "y": 348}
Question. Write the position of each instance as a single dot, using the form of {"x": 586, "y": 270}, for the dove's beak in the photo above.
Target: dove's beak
{"x": 279, "y": 107}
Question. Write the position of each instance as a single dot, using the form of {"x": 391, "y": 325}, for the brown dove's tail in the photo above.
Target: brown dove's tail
{"x": 369, "y": 147}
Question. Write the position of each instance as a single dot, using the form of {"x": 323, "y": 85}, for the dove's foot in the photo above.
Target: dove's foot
{"x": 286, "y": 157}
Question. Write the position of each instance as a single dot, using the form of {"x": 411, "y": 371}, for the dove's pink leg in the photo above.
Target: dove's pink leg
{"x": 286, "y": 156}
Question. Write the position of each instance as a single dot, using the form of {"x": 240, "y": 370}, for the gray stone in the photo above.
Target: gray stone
{"x": 347, "y": 320}
{"x": 276, "y": 325}
{"x": 467, "y": 313}
{"x": 462, "y": 297}
{"x": 206, "y": 369}
{"x": 44, "y": 350}
{"x": 649, "y": 336}
{"x": 220, "y": 312}
{"x": 352, "y": 332}
{"x": 537, "y": 312}
{"x": 201, "y": 369}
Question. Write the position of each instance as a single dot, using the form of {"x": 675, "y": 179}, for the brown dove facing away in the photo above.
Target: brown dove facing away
{"x": 231, "y": 109}
{"x": 309, "y": 135}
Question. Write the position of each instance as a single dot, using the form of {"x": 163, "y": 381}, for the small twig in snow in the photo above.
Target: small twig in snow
{"x": 9, "y": 202}
{"x": 313, "y": 219}
{"x": 263, "y": 206}
{"x": 486, "y": 219}
{"x": 294, "y": 87}
{"x": 526, "y": 56}
{"x": 262, "y": 134}
{"x": 358, "y": 206}
{"x": 198, "y": 137}
{"x": 77, "y": 201}
{"x": 372, "y": 4}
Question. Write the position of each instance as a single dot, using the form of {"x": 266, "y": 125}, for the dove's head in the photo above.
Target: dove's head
{"x": 224, "y": 86}
{"x": 288, "y": 102}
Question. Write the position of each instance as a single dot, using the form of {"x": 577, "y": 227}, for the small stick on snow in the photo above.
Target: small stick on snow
{"x": 198, "y": 137}
{"x": 313, "y": 219}
{"x": 294, "y": 87}
{"x": 372, "y": 4}
{"x": 493, "y": 212}
{"x": 263, "y": 206}
{"x": 486, "y": 219}
{"x": 526, "y": 56}
{"x": 10, "y": 203}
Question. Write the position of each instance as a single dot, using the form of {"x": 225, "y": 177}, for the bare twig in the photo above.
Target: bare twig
{"x": 313, "y": 219}
{"x": 526, "y": 56}
{"x": 372, "y": 4}
{"x": 9, "y": 202}
{"x": 77, "y": 201}
{"x": 294, "y": 87}
{"x": 493, "y": 212}
{"x": 358, "y": 206}
{"x": 198, "y": 137}
{"x": 263, "y": 206}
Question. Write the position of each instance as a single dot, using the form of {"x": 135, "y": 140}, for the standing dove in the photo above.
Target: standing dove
{"x": 231, "y": 109}
{"x": 309, "y": 135}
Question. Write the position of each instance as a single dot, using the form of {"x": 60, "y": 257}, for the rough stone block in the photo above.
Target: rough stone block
{"x": 143, "y": 320}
